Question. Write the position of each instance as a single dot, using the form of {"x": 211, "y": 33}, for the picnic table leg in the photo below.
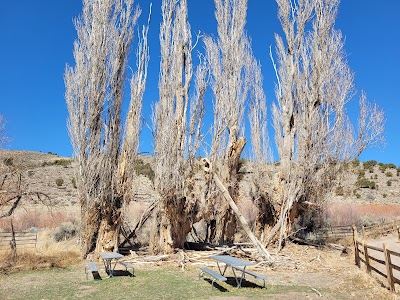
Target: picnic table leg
{"x": 238, "y": 282}
{"x": 107, "y": 267}
{"x": 222, "y": 273}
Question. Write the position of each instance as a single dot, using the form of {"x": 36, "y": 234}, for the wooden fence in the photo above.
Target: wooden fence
{"x": 22, "y": 239}
{"x": 342, "y": 232}
{"x": 380, "y": 260}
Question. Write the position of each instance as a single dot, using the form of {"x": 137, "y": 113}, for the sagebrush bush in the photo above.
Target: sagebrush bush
{"x": 8, "y": 161}
{"x": 389, "y": 183}
{"x": 144, "y": 169}
{"x": 389, "y": 174}
{"x": 58, "y": 162}
{"x": 355, "y": 163}
{"x": 339, "y": 191}
{"x": 59, "y": 181}
{"x": 369, "y": 164}
{"x": 365, "y": 183}
{"x": 65, "y": 231}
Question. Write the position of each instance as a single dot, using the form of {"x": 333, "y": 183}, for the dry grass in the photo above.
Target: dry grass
{"x": 38, "y": 217}
{"x": 339, "y": 214}
{"x": 47, "y": 254}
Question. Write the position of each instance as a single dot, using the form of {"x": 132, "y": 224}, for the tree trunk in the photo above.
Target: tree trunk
{"x": 266, "y": 216}
{"x": 225, "y": 218}
{"x": 172, "y": 224}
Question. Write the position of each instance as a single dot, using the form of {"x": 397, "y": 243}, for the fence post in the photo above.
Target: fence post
{"x": 366, "y": 256}
{"x": 389, "y": 270}
{"x": 356, "y": 253}
{"x": 398, "y": 233}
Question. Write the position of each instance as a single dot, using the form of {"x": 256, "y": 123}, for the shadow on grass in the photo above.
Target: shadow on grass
{"x": 216, "y": 285}
{"x": 118, "y": 273}
{"x": 96, "y": 276}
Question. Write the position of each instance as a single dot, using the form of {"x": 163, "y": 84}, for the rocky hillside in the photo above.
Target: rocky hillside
{"x": 368, "y": 182}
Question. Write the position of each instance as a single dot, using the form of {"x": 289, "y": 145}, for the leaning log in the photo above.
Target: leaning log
{"x": 257, "y": 244}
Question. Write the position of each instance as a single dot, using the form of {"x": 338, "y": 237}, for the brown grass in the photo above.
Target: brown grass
{"x": 47, "y": 254}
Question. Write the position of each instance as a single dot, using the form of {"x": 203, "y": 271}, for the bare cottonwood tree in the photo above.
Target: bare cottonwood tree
{"x": 261, "y": 157}
{"x": 230, "y": 59}
{"x": 172, "y": 223}
{"x": 313, "y": 133}
{"x": 3, "y": 136}
{"x": 94, "y": 95}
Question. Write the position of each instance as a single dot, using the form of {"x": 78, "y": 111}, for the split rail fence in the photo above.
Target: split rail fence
{"x": 342, "y": 232}
{"x": 383, "y": 261}
{"x": 22, "y": 240}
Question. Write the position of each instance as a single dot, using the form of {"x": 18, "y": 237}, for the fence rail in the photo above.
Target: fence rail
{"x": 342, "y": 232}
{"x": 382, "y": 261}
{"x": 22, "y": 239}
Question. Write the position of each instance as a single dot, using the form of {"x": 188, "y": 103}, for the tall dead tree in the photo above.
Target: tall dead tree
{"x": 261, "y": 157}
{"x": 175, "y": 212}
{"x": 313, "y": 133}
{"x": 94, "y": 96}
{"x": 3, "y": 137}
{"x": 230, "y": 58}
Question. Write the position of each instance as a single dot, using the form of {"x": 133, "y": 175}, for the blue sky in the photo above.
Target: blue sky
{"x": 37, "y": 39}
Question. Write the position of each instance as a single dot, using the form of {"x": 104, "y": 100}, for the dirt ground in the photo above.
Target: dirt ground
{"x": 323, "y": 274}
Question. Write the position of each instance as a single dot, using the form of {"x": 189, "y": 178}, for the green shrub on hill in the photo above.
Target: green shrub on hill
{"x": 144, "y": 169}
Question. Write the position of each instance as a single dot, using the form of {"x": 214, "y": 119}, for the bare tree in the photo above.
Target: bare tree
{"x": 173, "y": 221}
{"x": 261, "y": 155}
{"x": 313, "y": 133}
{"x": 94, "y": 95}
{"x": 3, "y": 136}
{"x": 230, "y": 58}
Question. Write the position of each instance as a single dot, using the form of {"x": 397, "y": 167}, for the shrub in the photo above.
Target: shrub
{"x": 65, "y": 231}
{"x": 144, "y": 169}
{"x": 376, "y": 176}
{"x": 391, "y": 166}
{"x": 369, "y": 164}
{"x": 339, "y": 191}
{"x": 355, "y": 163}
{"x": 384, "y": 195}
{"x": 59, "y": 181}
{"x": 8, "y": 161}
{"x": 58, "y": 162}
{"x": 389, "y": 174}
{"x": 361, "y": 173}
{"x": 389, "y": 183}
{"x": 365, "y": 183}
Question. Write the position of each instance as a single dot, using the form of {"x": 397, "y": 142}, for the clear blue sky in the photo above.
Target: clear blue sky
{"x": 37, "y": 38}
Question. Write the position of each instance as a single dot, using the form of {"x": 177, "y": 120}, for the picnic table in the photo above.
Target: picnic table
{"x": 238, "y": 266}
{"x": 110, "y": 260}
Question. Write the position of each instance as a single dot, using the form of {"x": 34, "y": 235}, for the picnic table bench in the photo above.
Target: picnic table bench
{"x": 255, "y": 275}
{"x": 92, "y": 268}
{"x": 214, "y": 274}
{"x": 127, "y": 266}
